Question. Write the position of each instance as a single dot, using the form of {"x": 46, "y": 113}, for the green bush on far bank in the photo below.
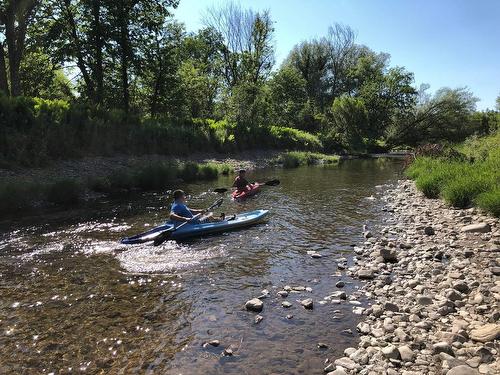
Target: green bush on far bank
{"x": 472, "y": 181}
{"x": 294, "y": 159}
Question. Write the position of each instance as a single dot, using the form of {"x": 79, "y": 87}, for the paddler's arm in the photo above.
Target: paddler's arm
{"x": 176, "y": 217}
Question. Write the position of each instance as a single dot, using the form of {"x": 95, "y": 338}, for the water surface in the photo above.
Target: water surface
{"x": 75, "y": 301}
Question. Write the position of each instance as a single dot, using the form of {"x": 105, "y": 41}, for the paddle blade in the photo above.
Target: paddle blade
{"x": 220, "y": 190}
{"x": 162, "y": 237}
{"x": 272, "y": 183}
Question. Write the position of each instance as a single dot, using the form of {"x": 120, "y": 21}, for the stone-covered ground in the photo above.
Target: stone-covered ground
{"x": 432, "y": 274}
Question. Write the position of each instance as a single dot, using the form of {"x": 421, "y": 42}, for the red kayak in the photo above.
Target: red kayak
{"x": 251, "y": 189}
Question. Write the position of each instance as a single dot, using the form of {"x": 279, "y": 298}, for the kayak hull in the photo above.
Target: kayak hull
{"x": 250, "y": 190}
{"x": 198, "y": 230}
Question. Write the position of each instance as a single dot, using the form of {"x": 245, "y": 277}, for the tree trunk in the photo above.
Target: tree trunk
{"x": 4, "y": 85}
{"x": 98, "y": 44}
{"x": 80, "y": 61}
{"x": 157, "y": 83}
{"x": 124, "y": 56}
{"x": 15, "y": 18}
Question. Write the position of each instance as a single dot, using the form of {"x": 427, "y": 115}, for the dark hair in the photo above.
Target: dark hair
{"x": 242, "y": 171}
{"x": 178, "y": 194}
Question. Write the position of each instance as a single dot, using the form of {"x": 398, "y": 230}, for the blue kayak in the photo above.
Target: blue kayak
{"x": 196, "y": 230}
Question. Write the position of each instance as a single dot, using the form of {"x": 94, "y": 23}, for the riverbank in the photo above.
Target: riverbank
{"x": 432, "y": 274}
{"x": 68, "y": 183}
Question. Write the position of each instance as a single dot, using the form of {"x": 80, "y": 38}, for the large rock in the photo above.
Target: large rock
{"x": 365, "y": 274}
{"x": 429, "y": 231}
{"x": 406, "y": 353}
{"x": 389, "y": 255}
{"x": 307, "y": 303}
{"x": 346, "y": 363}
{"x": 254, "y": 304}
{"x": 476, "y": 228}
{"x": 338, "y": 371}
{"x": 488, "y": 332}
{"x": 443, "y": 347}
{"x": 391, "y": 352}
{"x": 389, "y": 306}
{"x": 425, "y": 300}
{"x": 462, "y": 370}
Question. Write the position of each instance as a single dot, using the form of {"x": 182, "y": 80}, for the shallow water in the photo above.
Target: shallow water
{"x": 75, "y": 301}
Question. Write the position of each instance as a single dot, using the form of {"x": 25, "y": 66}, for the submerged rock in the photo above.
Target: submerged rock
{"x": 254, "y": 304}
{"x": 307, "y": 303}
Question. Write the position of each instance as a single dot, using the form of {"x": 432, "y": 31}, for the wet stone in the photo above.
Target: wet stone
{"x": 254, "y": 304}
{"x": 307, "y": 303}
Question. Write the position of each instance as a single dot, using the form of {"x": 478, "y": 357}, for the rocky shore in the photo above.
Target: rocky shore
{"x": 432, "y": 275}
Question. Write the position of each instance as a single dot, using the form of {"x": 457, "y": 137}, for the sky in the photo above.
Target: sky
{"x": 445, "y": 43}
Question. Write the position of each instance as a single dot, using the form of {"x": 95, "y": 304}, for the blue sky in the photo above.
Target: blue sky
{"x": 453, "y": 43}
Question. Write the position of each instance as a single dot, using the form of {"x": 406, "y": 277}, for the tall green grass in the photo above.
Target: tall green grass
{"x": 472, "y": 181}
{"x": 294, "y": 159}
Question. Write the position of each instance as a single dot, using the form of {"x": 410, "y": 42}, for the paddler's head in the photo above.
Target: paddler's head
{"x": 179, "y": 196}
{"x": 242, "y": 172}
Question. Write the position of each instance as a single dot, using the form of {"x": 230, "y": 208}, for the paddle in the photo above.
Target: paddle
{"x": 167, "y": 233}
{"x": 274, "y": 182}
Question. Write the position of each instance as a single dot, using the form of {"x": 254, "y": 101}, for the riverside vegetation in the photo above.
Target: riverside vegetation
{"x": 144, "y": 85}
{"x": 468, "y": 176}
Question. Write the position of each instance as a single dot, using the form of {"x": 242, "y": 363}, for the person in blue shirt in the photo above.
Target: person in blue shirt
{"x": 180, "y": 212}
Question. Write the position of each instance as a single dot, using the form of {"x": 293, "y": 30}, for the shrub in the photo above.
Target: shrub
{"x": 490, "y": 201}
{"x": 283, "y": 137}
{"x": 100, "y": 184}
{"x": 64, "y": 192}
{"x": 294, "y": 159}
{"x": 121, "y": 180}
{"x": 155, "y": 176}
{"x": 463, "y": 188}
{"x": 16, "y": 196}
{"x": 469, "y": 176}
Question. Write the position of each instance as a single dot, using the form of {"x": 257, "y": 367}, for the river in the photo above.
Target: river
{"x": 75, "y": 301}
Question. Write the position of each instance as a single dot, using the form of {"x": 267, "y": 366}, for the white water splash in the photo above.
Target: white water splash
{"x": 167, "y": 258}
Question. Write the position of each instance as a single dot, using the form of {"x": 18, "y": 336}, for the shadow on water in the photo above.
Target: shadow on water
{"x": 73, "y": 298}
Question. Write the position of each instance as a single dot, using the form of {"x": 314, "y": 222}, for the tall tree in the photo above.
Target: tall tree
{"x": 15, "y": 17}
{"x": 340, "y": 44}
{"x": 311, "y": 60}
{"x": 246, "y": 47}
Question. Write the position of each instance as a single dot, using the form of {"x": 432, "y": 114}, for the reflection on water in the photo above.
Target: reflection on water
{"x": 74, "y": 300}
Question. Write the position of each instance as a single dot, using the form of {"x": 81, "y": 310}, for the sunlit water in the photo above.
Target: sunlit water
{"x": 74, "y": 300}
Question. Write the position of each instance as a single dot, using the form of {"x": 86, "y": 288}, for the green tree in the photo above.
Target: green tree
{"x": 15, "y": 19}
{"x": 349, "y": 122}
{"x": 246, "y": 42}
{"x": 288, "y": 97}
{"x": 41, "y": 78}
{"x": 445, "y": 117}
{"x": 311, "y": 60}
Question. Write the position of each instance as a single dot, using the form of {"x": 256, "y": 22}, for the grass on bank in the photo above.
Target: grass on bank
{"x": 15, "y": 196}
{"x": 463, "y": 182}
{"x": 294, "y": 159}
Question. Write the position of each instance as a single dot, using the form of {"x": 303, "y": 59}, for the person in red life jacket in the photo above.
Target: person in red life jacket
{"x": 240, "y": 182}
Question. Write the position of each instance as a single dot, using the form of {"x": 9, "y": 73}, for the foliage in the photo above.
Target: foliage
{"x": 462, "y": 183}
{"x": 64, "y": 192}
{"x": 294, "y": 159}
{"x": 289, "y": 138}
{"x": 349, "y": 122}
{"x": 446, "y": 116}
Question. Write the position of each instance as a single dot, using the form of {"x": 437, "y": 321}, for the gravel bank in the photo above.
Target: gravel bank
{"x": 433, "y": 275}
